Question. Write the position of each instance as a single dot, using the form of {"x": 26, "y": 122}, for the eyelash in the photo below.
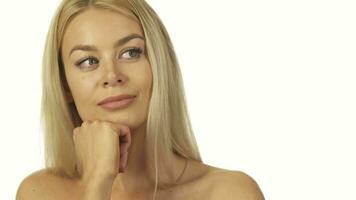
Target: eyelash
{"x": 133, "y": 49}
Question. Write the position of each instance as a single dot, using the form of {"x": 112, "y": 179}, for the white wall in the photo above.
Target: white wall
{"x": 270, "y": 88}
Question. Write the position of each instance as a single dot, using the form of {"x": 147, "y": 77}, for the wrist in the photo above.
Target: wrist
{"x": 96, "y": 181}
{"x": 95, "y": 188}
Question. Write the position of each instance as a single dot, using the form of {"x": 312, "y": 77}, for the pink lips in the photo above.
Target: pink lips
{"x": 117, "y": 102}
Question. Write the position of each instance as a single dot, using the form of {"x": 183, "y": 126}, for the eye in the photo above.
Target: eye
{"x": 132, "y": 53}
{"x": 91, "y": 60}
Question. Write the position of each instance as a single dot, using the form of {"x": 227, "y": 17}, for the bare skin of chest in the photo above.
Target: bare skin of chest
{"x": 198, "y": 186}
{"x": 191, "y": 191}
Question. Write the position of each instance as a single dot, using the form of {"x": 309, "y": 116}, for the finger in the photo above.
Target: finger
{"x": 79, "y": 169}
{"x": 75, "y": 133}
{"x": 85, "y": 123}
{"x": 123, "y": 162}
{"x": 124, "y": 148}
{"x": 125, "y": 135}
{"x": 123, "y": 156}
{"x": 122, "y": 130}
{"x": 126, "y": 157}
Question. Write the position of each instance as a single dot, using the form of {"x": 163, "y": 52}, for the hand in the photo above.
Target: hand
{"x": 97, "y": 146}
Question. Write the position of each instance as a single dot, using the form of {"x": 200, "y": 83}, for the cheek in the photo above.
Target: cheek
{"x": 146, "y": 82}
{"x": 82, "y": 93}
{"x": 81, "y": 89}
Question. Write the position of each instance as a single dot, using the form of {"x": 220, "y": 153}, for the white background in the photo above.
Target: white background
{"x": 270, "y": 88}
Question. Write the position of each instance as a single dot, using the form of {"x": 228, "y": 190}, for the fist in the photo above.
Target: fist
{"x": 101, "y": 148}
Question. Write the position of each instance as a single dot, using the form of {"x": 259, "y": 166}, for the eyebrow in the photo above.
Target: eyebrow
{"x": 119, "y": 42}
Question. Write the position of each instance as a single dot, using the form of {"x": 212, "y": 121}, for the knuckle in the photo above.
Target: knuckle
{"x": 104, "y": 123}
{"x": 76, "y": 131}
{"x": 84, "y": 123}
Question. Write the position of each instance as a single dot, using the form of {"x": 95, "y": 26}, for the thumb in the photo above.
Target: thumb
{"x": 78, "y": 168}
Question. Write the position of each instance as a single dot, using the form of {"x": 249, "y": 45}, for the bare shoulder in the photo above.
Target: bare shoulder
{"x": 42, "y": 184}
{"x": 33, "y": 186}
{"x": 228, "y": 184}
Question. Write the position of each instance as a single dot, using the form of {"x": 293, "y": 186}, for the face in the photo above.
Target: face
{"x": 108, "y": 68}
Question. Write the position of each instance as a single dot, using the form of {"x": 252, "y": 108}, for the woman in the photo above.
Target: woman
{"x": 114, "y": 114}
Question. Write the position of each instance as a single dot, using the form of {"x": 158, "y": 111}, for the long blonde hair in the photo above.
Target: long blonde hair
{"x": 167, "y": 117}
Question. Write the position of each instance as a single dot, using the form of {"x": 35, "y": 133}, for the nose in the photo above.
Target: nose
{"x": 113, "y": 82}
{"x": 113, "y": 76}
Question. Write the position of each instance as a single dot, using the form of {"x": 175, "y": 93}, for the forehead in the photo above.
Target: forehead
{"x": 99, "y": 26}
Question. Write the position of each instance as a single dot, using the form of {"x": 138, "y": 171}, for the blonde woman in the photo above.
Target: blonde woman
{"x": 114, "y": 114}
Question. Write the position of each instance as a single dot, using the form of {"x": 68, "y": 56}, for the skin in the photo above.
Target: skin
{"x": 97, "y": 79}
{"x": 86, "y": 87}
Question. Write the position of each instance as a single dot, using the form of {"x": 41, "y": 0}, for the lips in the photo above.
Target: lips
{"x": 116, "y": 98}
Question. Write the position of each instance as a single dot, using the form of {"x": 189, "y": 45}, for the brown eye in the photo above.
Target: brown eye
{"x": 132, "y": 53}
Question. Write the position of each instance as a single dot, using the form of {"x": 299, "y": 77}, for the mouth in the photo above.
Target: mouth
{"x": 118, "y": 104}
